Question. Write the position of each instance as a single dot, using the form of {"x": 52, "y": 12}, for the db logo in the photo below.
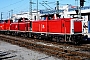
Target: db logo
{"x": 16, "y": 26}
{"x": 43, "y": 26}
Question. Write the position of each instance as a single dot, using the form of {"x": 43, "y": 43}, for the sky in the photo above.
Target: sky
{"x": 23, "y": 5}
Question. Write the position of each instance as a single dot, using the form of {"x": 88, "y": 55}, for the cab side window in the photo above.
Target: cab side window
{"x": 43, "y": 18}
{"x": 49, "y": 18}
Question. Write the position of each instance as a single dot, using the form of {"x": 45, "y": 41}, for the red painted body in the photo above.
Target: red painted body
{"x": 43, "y": 26}
{"x": 61, "y": 26}
{"x": 39, "y": 26}
{"x": 54, "y": 26}
{"x": 77, "y": 26}
{"x": 22, "y": 26}
{"x": 28, "y": 25}
{"x": 66, "y": 25}
{"x": 49, "y": 27}
{"x": 7, "y": 24}
{"x": 14, "y": 26}
{"x": 35, "y": 26}
{"x": 1, "y": 26}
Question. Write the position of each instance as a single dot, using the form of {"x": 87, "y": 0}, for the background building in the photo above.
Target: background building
{"x": 34, "y": 15}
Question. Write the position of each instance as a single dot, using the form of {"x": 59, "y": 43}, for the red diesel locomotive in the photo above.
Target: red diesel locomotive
{"x": 50, "y": 26}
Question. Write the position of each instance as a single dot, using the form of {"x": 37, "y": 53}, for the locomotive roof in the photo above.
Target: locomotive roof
{"x": 49, "y": 15}
{"x": 23, "y": 18}
{"x": 1, "y": 21}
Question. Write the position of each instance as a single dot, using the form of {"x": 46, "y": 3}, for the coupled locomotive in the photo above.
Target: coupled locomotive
{"x": 50, "y": 27}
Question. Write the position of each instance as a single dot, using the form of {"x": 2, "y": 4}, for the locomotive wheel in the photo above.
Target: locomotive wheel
{"x": 57, "y": 40}
{"x": 25, "y": 35}
{"x": 50, "y": 38}
{"x": 75, "y": 43}
{"x": 30, "y": 35}
{"x": 40, "y": 37}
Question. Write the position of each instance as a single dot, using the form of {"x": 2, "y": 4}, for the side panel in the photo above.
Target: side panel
{"x": 66, "y": 26}
{"x": 39, "y": 26}
{"x": 22, "y": 26}
{"x": 14, "y": 26}
{"x": 54, "y": 26}
{"x": 29, "y": 26}
{"x": 35, "y": 26}
{"x": 77, "y": 27}
{"x": 1, "y": 26}
{"x": 43, "y": 26}
{"x": 7, "y": 26}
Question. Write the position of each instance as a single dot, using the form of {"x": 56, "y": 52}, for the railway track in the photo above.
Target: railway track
{"x": 65, "y": 51}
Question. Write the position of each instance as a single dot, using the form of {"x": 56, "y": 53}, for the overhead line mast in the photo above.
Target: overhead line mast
{"x": 57, "y": 7}
{"x": 45, "y": 2}
{"x": 1, "y": 15}
{"x": 30, "y": 12}
{"x": 37, "y": 10}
